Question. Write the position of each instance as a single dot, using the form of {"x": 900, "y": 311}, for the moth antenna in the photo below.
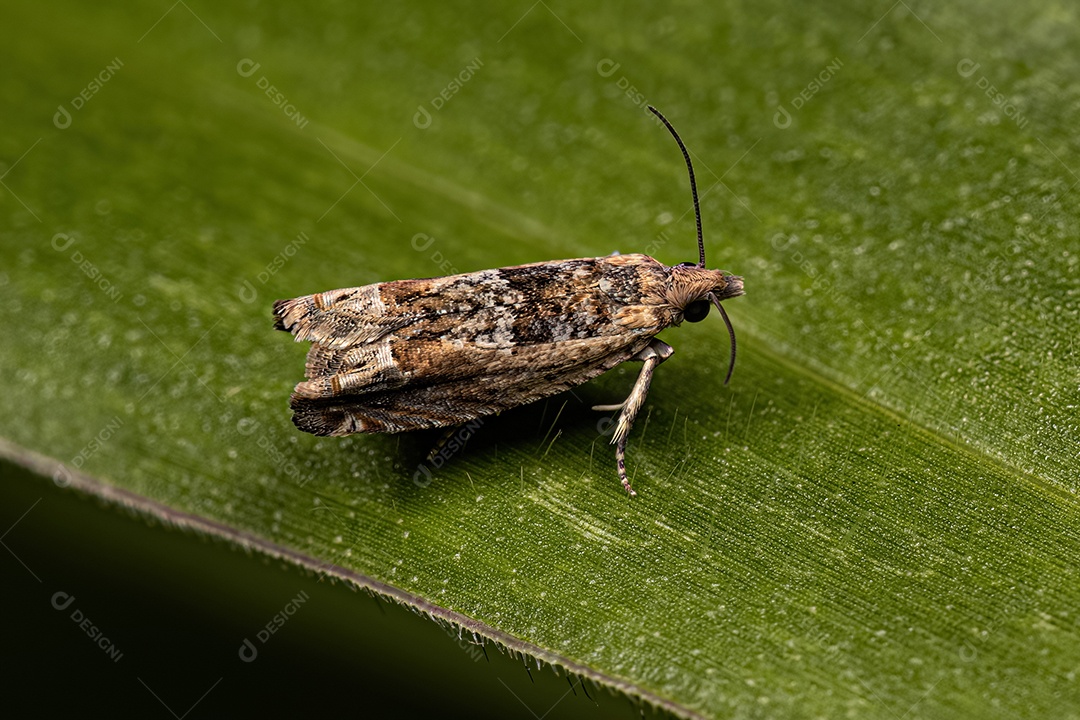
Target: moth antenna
{"x": 731, "y": 334}
{"x": 693, "y": 186}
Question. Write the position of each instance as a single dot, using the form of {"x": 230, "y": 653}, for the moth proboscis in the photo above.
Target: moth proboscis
{"x": 441, "y": 352}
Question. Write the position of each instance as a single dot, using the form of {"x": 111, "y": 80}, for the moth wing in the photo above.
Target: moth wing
{"x": 437, "y": 352}
{"x": 338, "y": 318}
{"x": 458, "y": 384}
{"x": 550, "y": 294}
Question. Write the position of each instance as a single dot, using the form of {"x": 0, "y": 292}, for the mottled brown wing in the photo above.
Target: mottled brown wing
{"x": 415, "y": 354}
{"x": 457, "y": 386}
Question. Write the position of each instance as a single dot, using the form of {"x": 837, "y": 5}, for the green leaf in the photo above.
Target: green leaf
{"x": 877, "y": 517}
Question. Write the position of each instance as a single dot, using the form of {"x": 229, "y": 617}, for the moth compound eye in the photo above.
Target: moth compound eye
{"x": 696, "y": 311}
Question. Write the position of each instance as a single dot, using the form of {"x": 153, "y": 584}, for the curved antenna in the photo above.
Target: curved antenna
{"x": 693, "y": 190}
{"x": 731, "y": 334}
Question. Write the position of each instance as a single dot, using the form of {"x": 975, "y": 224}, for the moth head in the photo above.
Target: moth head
{"x": 694, "y": 289}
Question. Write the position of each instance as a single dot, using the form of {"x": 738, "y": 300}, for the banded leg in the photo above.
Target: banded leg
{"x": 655, "y": 353}
{"x": 441, "y": 442}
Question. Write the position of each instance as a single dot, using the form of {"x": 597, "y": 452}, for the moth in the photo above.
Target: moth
{"x": 441, "y": 352}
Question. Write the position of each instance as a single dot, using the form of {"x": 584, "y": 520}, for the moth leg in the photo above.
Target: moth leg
{"x": 655, "y": 353}
{"x": 441, "y": 442}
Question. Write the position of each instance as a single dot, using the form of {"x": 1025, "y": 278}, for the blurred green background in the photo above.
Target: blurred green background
{"x": 877, "y": 517}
